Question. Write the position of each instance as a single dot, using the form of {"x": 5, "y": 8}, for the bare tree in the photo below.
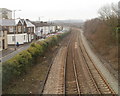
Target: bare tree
{"x": 109, "y": 14}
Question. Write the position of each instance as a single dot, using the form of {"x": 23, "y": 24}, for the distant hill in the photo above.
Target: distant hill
{"x": 69, "y": 22}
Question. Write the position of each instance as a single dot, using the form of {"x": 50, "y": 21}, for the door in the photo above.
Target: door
{"x": 3, "y": 44}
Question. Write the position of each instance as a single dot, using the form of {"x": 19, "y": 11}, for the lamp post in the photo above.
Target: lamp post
{"x": 14, "y": 28}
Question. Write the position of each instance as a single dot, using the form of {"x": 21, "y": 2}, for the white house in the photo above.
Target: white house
{"x": 30, "y": 29}
{"x": 43, "y": 28}
{"x": 40, "y": 28}
{"x": 52, "y": 28}
{"x": 17, "y": 34}
{"x": 21, "y": 31}
{"x": 9, "y": 24}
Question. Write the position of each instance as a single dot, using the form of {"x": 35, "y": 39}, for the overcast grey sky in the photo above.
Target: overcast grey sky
{"x": 56, "y": 9}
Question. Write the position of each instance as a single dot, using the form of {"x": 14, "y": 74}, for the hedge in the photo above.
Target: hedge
{"x": 21, "y": 62}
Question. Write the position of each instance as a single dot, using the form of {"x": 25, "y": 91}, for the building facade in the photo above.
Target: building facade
{"x": 30, "y": 30}
{"x": 3, "y": 39}
{"x": 9, "y": 25}
{"x": 43, "y": 28}
{"x": 5, "y": 13}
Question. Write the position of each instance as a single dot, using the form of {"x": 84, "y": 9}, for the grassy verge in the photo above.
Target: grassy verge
{"x": 22, "y": 62}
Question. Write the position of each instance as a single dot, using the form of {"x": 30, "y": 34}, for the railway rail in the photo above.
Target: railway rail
{"x": 71, "y": 80}
{"x": 101, "y": 84}
{"x": 81, "y": 75}
{"x": 48, "y": 72}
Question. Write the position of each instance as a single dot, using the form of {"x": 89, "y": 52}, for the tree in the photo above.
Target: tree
{"x": 109, "y": 14}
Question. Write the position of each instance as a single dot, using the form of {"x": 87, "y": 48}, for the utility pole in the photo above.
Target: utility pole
{"x": 14, "y": 29}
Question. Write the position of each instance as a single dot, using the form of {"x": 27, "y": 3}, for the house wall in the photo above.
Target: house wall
{"x": 30, "y": 33}
{"x": 59, "y": 28}
{"x": 46, "y": 30}
{"x": 3, "y": 37}
{"x": 21, "y": 38}
{"x": 53, "y": 28}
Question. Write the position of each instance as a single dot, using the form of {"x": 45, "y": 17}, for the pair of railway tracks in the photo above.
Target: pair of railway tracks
{"x": 73, "y": 83}
{"x": 81, "y": 76}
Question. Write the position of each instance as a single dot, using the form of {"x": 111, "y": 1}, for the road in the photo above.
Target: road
{"x": 12, "y": 54}
{"x": 77, "y": 70}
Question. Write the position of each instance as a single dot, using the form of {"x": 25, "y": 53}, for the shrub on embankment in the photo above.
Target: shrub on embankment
{"x": 24, "y": 60}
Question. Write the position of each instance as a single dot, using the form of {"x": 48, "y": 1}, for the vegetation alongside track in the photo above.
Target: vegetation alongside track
{"x": 23, "y": 61}
{"x": 103, "y": 34}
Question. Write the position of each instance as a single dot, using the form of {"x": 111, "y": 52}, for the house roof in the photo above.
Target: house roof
{"x": 28, "y": 23}
{"x": 19, "y": 20}
{"x": 41, "y": 24}
{"x": 7, "y": 22}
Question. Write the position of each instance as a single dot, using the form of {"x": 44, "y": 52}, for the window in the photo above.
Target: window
{"x": 13, "y": 38}
{"x": 19, "y": 28}
{"x": 24, "y": 29}
{"x": 29, "y": 29}
{"x": 10, "y": 29}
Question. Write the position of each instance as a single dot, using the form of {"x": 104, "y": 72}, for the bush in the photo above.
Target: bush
{"x": 19, "y": 64}
{"x": 16, "y": 66}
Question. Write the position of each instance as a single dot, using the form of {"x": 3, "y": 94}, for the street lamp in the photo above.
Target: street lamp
{"x": 14, "y": 29}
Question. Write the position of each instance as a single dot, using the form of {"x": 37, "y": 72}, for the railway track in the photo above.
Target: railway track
{"x": 101, "y": 85}
{"x": 81, "y": 76}
{"x": 42, "y": 88}
{"x": 71, "y": 79}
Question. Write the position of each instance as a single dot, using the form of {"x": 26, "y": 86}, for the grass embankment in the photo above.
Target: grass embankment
{"x": 25, "y": 60}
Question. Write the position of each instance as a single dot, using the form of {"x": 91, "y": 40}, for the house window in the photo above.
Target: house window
{"x": 24, "y": 29}
{"x": 13, "y": 38}
{"x": 29, "y": 29}
{"x": 19, "y": 28}
{"x": 10, "y": 29}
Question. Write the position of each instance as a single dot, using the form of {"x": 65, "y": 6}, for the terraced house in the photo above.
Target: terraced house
{"x": 29, "y": 28}
{"x": 20, "y": 30}
{"x": 43, "y": 28}
{"x": 25, "y": 29}
{"x": 9, "y": 25}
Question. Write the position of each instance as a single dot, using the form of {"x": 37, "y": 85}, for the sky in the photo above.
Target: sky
{"x": 55, "y": 9}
